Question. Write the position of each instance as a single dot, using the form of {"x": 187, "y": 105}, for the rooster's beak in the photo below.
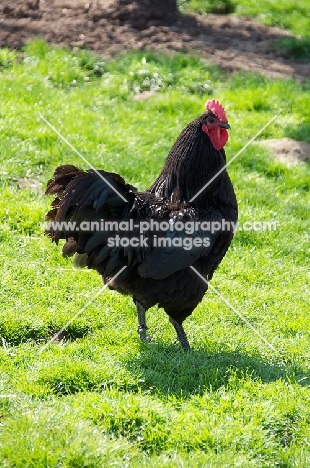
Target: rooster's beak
{"x": 224, "y": 125}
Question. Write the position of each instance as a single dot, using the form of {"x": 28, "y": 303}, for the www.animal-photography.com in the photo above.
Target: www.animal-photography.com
{"x": 154, "y": 234}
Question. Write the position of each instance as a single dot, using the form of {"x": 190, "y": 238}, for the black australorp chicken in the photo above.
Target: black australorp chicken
{"x": 145, "y": 232}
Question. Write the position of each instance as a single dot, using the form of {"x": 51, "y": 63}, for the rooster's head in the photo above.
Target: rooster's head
{"x": 215, "y": 124}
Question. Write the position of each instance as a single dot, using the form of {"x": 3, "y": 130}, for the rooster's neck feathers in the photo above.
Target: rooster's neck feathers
{"x": 191, "y": 163}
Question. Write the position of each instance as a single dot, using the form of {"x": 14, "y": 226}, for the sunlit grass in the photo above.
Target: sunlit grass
{"x": 286, "y": 14}
{"x": 100, "y": 397}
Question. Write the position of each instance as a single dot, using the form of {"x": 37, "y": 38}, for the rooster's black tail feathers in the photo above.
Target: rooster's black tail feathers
{"x": 84, "y": 196}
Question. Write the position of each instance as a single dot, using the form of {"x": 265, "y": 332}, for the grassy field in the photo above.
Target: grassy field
{"x": 285, "y": 14}
{"x": 101, "y": 398}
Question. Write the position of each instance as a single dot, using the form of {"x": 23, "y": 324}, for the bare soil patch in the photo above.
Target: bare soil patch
{"x": 287, "y": 151}
{"x": 31, "y": 184}
{"x": 110, "y": 27}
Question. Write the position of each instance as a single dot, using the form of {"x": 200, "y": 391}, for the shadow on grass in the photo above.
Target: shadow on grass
{"x": 162, "y": 370}
{"x": 15, "y": 333}
{"x": 169, "y": 370}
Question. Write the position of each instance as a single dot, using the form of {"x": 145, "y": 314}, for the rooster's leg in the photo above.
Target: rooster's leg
{"x": 180, "y": 334}
{"x": 141, "y": 321}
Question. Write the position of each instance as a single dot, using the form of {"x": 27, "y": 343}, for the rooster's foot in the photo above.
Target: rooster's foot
{"x": 180, "y": 334}
{"x": 142, "y": 333}
{"x": 141, "y": 322}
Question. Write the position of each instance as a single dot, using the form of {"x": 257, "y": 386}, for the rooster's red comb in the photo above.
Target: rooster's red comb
{"x": 217, "y": 109}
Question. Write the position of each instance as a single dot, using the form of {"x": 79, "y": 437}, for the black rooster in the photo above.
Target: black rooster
{"x": 157, "y": 234}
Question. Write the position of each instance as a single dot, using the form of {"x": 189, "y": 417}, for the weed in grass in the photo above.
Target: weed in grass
{"x": 7, "y": 58}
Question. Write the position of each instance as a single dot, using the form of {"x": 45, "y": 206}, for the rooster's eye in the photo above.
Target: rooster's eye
{"x": 211, "y": 120}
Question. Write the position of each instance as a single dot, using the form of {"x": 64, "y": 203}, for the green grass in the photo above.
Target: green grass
{"x": 297, "y": 48}
{"x": 100, "y": 397}
{"x": 286, "y": 14}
